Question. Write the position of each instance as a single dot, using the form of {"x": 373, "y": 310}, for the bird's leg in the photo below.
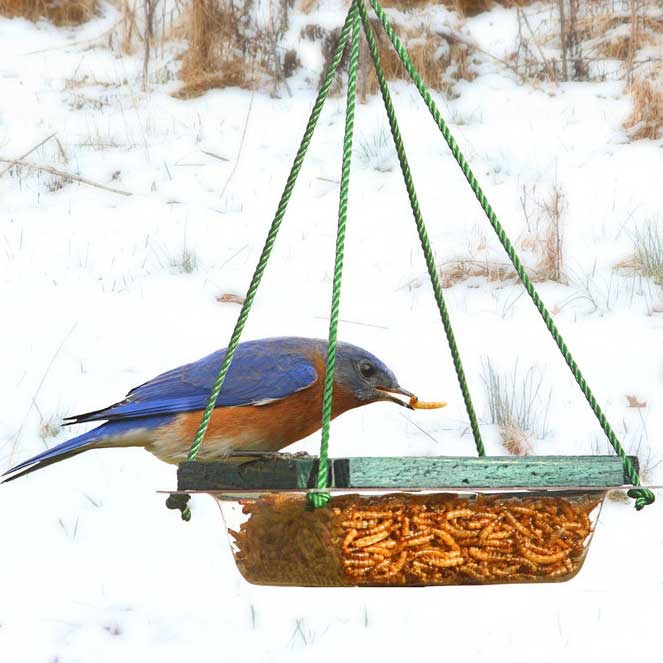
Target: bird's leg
{"x": 298, "y": 454}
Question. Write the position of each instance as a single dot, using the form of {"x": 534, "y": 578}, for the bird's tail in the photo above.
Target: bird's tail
{"x": 110, "y": 434}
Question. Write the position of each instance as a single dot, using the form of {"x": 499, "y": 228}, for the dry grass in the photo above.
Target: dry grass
{"x": 545, "y": 237}
{"x": 51, "y": 427}
{"x": 647, "y": 256}
{"x": 377, "y": 152}
{"x": 551, "y": 258}
{"x": 228, "y": 46}
{"x": 646, "y": 118}
{"x": 210, "y": 60}
{"x": 421, "y": 51}
{"x": 529, "y": 60}
{"x": 463, "y": 7}
{"x": 165, "y": 20}
{"x": 440, "y": 59}
{"x": 185, "y": 262}
{"x": 457, "y": 271}
{"x": 634, "y": 402}
{"x": 471, "y": 7}
{"x": 578, "y": 37}
{"x": 597, "y": 20}
{"x": 60, "y": 12}
{"x": 648, "y": 251}
{"x": 619, "y": 47}
{"x": 405, "y": 5}
{"x": 230, "y": 298}
{"x": 622, "y": 38}
{"x": 515, "y": 441}
{"x": 516, "y": 406}
{"x": 515, "y": 3}
{"x": 232, "y": 74}
{"x": 590, "y": 32}
{"x": 308, "y": 6}
{"x": 128, "y": 27}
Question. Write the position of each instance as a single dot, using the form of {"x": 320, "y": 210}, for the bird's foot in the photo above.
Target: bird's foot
{"x": 297, "y": 454}
{"x": 268, "y": 455}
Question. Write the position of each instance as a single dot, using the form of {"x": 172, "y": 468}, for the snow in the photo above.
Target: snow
{"x": 96, "y": 298}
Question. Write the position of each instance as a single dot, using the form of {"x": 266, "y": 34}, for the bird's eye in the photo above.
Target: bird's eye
{"x": 367, "y": 370}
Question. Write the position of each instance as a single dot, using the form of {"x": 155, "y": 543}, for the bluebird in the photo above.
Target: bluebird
{"x": 271, "y": 397}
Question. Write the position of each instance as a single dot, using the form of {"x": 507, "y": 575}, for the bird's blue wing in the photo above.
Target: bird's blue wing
{"x": 261, "y": 372}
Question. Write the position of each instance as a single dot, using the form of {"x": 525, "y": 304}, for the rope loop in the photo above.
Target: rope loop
{"x": 318, "y": 500}
{"x": 642, "y": 496}
{"x": 180, "y": 501}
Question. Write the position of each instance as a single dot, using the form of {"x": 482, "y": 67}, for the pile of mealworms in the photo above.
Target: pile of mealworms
{"x": 282, "y": 543}
{"x": 453, "y": 541}
{"x": 404, "y": 539}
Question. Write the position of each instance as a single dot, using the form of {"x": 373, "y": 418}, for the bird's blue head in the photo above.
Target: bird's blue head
{"x": 366, "y": 377}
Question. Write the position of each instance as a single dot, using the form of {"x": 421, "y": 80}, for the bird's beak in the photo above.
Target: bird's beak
{"x": 389, "y": 395}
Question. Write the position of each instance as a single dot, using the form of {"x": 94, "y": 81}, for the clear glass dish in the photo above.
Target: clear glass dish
{"x": 410, "y": 539}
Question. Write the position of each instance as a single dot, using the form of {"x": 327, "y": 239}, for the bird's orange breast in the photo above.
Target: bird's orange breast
{"x": 267, "y": 427}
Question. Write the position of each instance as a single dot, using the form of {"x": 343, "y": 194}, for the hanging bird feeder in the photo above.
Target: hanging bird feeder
{"x": 409, "y": 521}
{"x": 403, "y": 521}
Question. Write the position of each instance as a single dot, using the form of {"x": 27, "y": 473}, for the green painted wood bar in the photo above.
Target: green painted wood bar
{"x": 420, "y": 472}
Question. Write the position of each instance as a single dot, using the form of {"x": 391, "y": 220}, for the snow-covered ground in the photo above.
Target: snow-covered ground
{"x": 100, "y": 291}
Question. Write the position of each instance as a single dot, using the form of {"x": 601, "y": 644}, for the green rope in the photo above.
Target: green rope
{"x": 642, "y": 496}
{"x": 421, "y": 228}
{"x": 271, "y": 237}
{"x": 317, "y": 500}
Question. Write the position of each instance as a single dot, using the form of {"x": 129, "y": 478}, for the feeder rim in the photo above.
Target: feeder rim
{"x": 282, "y": 472}
{"x": 466, "y": 490}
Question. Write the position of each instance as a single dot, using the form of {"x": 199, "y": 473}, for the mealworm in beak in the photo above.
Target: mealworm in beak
{"x": 424, "y": 405}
